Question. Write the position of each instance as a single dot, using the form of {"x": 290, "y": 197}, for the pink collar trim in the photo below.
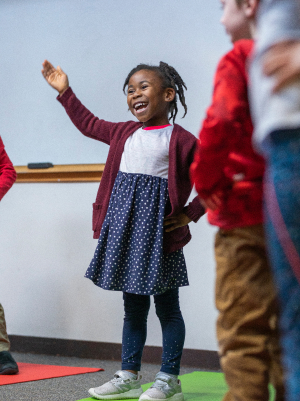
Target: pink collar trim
{"x": 157, "y": 127}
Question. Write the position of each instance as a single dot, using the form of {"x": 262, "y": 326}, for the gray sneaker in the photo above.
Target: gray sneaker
{"x": 165, "y": 387}
{"x": 124, "y": 385}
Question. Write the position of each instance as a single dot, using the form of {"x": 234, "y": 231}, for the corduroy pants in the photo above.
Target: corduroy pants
{"x": 247, "y": 329}
{"x": 4, "y": 341}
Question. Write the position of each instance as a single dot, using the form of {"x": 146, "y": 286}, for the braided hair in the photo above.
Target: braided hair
{"x": 170, "y": 79}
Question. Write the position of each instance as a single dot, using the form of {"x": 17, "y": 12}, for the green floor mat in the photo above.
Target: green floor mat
{"x": 202, "y": 386}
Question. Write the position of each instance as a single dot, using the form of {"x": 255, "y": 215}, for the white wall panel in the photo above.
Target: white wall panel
{"x": 46, "y": 245}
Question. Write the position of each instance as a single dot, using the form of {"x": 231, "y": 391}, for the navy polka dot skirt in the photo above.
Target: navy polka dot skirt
{"x": 129, "y": 256}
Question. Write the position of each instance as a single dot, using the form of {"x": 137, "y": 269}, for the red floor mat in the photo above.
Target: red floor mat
{"x": 30, "y": 372}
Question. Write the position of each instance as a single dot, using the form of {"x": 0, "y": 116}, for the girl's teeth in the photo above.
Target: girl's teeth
{"x": 139, "y": 107}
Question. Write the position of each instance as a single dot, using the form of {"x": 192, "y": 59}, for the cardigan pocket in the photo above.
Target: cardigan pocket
{"x": 96, "y": 216}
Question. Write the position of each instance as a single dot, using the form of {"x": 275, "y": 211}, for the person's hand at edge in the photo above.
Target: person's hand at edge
{"x": 282, "y": 61}
{"x": 213, "y": 202}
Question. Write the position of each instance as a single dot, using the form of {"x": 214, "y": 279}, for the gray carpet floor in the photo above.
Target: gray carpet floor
{"x": 69, "y": 388}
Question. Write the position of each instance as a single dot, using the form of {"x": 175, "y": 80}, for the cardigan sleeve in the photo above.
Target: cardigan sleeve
{"x": 222, "y": 128}
{"x": 7, "y": 172}
{"x": 194, "y": 210}
{"x": 83, "y": 119}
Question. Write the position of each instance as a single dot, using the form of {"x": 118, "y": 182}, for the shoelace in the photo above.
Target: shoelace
{"x": 118, "y": 379}
{"x": 160, "y": 383}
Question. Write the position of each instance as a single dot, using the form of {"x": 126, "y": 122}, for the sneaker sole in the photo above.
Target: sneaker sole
{"x": 9, "y": 371}
{"x": 135, "y": 393}
{"x": 175, "y": 397}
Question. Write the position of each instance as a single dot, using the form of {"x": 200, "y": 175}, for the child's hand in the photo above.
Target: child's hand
{"x": 180, "y": 220}
{"x": 283, "y": 62}
{"x": 213, "y": 202}
{"x": 55, "y": 77}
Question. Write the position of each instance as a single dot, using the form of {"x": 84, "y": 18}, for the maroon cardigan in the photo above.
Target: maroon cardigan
{"x": 7, "y": 172}
{"x": 182, "y": 147}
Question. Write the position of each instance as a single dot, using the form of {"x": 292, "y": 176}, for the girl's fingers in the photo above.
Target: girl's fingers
{"x": 171, "y": 228}
{"x": 169, "y": 221}
{"x": 59, "y": 69}
{"x": 46, "y": 73}
{"x": 47, "y": 65}
{"x": 48, "y": 69}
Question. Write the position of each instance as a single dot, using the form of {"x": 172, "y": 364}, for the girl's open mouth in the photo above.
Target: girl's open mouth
{"x": 140, "y": 107}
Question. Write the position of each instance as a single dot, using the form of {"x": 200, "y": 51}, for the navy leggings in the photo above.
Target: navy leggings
{"x": 135, "y": 330}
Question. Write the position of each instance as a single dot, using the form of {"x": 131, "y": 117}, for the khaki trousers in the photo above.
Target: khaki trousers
{"x": 4, "y": 341}
{"x": 247, "y": 323}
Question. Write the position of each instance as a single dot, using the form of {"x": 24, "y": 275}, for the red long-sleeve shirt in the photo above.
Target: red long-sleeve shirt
{"x": 225, "y": 160}
{"x": 7, "y": 172}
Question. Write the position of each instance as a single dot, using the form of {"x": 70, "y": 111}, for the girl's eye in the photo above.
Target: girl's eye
{"x": 144, "y": 86}
{"x": 130, "y": 91}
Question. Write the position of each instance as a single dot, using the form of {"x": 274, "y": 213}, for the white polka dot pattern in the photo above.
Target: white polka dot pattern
{"x": 129, "y": 255}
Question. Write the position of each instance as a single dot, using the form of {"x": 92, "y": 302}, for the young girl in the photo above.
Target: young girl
{"x": 139, "y": 251}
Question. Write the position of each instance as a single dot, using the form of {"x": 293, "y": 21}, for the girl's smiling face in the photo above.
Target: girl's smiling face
{"x": 147, "y": 100}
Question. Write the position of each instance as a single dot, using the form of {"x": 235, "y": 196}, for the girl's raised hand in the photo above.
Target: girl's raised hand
{"x": 55, "y": 77}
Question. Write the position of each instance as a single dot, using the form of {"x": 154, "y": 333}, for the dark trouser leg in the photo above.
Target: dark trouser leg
{"x": 173, "y": 330}
{"x": 134, "y": 330}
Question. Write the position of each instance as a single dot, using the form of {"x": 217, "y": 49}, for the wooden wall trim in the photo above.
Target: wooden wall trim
{"x": 61, "y": 173}
{"x": 200, "y": 359}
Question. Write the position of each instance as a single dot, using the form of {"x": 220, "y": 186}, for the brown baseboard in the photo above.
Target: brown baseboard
{"x": 201, "y": 359}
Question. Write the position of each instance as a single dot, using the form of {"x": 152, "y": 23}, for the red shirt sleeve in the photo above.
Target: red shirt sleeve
{"x": 223, "y": 126}
{"x": 7, "y": 172}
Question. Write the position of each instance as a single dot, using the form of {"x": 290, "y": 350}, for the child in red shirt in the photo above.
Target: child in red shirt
{"x": 7, "y": 172}
{"x": 228, "y": 177}
{"x": 7, "y": 178}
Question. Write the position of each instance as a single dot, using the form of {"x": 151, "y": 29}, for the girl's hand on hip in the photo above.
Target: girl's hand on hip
{"x": 55, "y": 77}
{"x": 180, "y": 220}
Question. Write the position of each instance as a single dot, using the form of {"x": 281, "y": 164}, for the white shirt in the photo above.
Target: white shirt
{"x": 147, "y": 152}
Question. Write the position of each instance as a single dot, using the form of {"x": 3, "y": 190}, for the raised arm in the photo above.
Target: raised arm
{"x": 88, "y": 124}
